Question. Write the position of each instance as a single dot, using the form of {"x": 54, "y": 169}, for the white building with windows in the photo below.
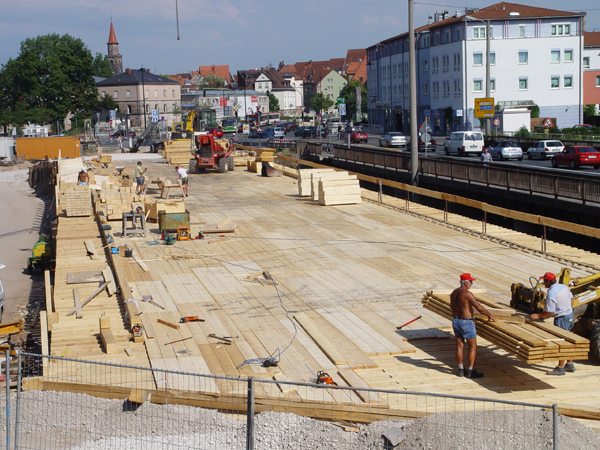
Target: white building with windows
{"x": 535, "y": 59}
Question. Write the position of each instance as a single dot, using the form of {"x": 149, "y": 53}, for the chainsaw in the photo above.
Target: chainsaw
{"x": 324, "y": 378}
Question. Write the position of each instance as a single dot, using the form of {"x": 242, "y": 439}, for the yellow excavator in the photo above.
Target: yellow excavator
{"x": 586, "y": 303}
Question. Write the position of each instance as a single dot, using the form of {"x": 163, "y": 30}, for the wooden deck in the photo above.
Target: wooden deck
{"x": 343, "y": 279}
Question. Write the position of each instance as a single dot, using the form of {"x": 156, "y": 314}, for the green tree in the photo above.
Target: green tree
{"x": 108, "y": 103}
{"x": 349, "y": 95}
{"x": 211, "y": 81}
{"x": 321, "y": 103}
{"x": 273, "y": 103}
{"x": 535, "y": 111}
{"x": 51, "y": 77}
{"x": 101, "y": 66}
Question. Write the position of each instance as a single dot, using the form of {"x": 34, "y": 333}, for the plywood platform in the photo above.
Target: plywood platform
{"x": 355, "y": 272}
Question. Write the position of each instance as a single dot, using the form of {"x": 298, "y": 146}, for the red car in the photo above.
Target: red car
{"x": 216, "y": 132}
{"x": 357, "y": 134}
{"x": 577, "y": 156}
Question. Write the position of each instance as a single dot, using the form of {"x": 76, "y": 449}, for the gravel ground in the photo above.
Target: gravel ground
{"x": 77, "y": 421}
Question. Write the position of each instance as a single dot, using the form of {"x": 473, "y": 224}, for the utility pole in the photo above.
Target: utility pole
{"x": 414, "y": 138}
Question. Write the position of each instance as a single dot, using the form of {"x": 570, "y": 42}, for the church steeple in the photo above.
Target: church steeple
{"x": 114, "y": 57}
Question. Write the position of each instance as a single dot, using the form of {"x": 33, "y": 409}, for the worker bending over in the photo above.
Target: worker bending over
{"x": 558, "y": 305}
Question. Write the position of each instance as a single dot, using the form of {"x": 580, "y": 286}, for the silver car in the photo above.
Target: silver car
{"x": 545, "y": 149}
{"x": 279, "y": 132}
{"x": 393, "y": 139}
{"x": 506, "y": 150}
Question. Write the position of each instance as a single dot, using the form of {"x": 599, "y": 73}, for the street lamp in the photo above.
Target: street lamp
{"x": 414, "y": 140}
{"x": 487, "y": 67}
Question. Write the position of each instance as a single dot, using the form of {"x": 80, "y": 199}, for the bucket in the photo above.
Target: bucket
{"x": 114, "y": 250}
{"x": 128, "y": 253}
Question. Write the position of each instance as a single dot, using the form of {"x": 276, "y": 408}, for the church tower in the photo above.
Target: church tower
{"x": 114, "y": 57}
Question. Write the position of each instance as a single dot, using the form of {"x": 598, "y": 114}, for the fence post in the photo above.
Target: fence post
{"x": 7, "y": 380}
{"x": 250, "y": 415}
{"x": 17, "y": 406}
{"x": 555, "y": 426}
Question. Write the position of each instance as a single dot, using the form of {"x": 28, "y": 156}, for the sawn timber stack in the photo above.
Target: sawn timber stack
{"x": 528, "y": 340}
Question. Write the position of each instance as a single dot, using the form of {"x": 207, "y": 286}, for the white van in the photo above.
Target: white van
{"x": 464, "y": 143}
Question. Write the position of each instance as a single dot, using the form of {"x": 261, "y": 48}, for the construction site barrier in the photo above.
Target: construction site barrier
{"x": 59, "y": 402}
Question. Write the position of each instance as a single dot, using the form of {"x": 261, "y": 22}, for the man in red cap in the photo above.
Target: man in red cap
{"x": 558, "y": 305}
{"x": 462, "y": 303}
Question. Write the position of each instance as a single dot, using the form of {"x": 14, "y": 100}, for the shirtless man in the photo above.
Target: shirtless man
{"x": 83, "y": 179}
{"x": 462, "y": 303}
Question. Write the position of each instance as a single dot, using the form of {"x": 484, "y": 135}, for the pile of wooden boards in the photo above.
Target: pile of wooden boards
{"x": 75, "y": 200}
{"x": 528, "y": 340}
{"x": 329, "y": 187}
{"x": 178, "y": 152}
{"x": 152, "y": 207}
{"x": 114, "y": 202}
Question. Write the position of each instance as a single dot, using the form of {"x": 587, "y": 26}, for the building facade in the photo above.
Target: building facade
{"x": 535, "y": 59}
{"x": 139, "y": 93}
{"x": 591, "y": 70}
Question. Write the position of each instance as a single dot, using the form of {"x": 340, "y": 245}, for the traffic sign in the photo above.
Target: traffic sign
{"x": 112, "y": 114}
{"x": 496, "y": 122}
{"x": 484, "y": 107}
{"x": 340, "y": 100}
{"x": 342, "y": 107}
{"x": 155, "y": 113}
{"x": 427, "y": 112}
{"x": 548, "y": 123}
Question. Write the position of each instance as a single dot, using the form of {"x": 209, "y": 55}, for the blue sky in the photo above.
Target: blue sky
{"x": 243, "y": 34}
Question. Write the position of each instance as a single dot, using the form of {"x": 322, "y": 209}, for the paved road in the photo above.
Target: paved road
{"x": 20, "y": 220}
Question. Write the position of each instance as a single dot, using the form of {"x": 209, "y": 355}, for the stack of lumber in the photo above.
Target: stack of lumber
{"x": 305, "y": 180}
{"x": 152, "y": 207}
{"x": 264, "y": 154}
{"x": 104, "y": 159}
{"x": 530, "y": 341}
{"x": 178, "y": 152}
{"x": 335, "y": 188}
{"x": 114, "y": 202}
{"x": 75, "y": 200}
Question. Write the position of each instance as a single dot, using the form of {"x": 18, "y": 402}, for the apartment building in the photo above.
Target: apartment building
{"x": 535, "y": 59}
{"x": 591, "y": 70}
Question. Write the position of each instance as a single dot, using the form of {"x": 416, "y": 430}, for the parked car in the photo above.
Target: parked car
{"x": 464, "y": 143}
{"x": 298, "y": 132}
{"x": 216, "y": 132}
{"x": 431, "y": 144}
{"x": 545, "y": 149}
{"x": 310, "y": 132}
{"x": 357, "y": 134}
{"x": 261, "y": 135}
{"x": 584, "y": 126}
{"x": 279, "y": 132}
{"x": 121, "y": 133}
{"x": 506, "y": 150}
{"x": 393, "y": 139}
{"x": 577, "y": 156}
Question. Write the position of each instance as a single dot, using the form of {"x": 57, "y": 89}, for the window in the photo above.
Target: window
{"x": 426, "y": 89}
{"x": 597, "y": 80}
{"x": 477, "y": 59}
{"x": 568, "y": 57}
{"x": 492, "y": 59}
{"x": 521, "y": 30}
{"x": 492, "y": 85}
{"x": 477, "y": 85}
{"x": 522, "y": 84}
{"x": 116, "y": 94}
{"x": 425, "y": 65}
{"x": 560, "y": 29}
{"x": 586, "y": 62}
{"x": 479, "y": 33}
{"x": 147, "y": 94}
{"x": 128, "y": 109}
{"x": 155, "y": 93}
{"x": 103, "y": 94}
{"x": 128, "y": 93}
{"x": 555, "y": 56}
{"x": 173, "y": 93}
{"x": 164, "y": 92}
{"x": 554, "y": 82}
{"x": 568, "y": 81}
{"x": 523, "y": 57}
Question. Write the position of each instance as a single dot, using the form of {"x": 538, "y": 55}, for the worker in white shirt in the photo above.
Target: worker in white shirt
{"x": 183, "y": 176}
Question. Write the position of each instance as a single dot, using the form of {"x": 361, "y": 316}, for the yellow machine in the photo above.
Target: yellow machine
{"x": 42, "y": 255}
{"x": 586, "y": 303}
{"x": 183, "y": 233}
{"x": 9, "y": 329}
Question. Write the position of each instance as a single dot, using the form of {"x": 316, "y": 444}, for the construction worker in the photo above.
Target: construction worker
{"x": 462, "y": 303}
{"x": 183, "y": 176}
{"x": 83, "y": 179}
{"x": 558, "y": 305}
{"x": 139, "y": 178}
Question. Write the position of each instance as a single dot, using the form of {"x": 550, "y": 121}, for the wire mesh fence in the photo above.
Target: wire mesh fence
{"x": 59, "y": 403}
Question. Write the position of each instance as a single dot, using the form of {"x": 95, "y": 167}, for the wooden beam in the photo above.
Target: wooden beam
{"x": 89, "y": 299}
{"x": 323, "y": 342}
{"x": 91, "y": 250}
{"x": 169, "y": 324}
{"x": 78, "y": 312}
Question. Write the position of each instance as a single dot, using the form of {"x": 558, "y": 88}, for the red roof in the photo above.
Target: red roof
{"x": 112, "y": 38}
{"x": 220, "y": 71}
{"x": 591, "y": 39}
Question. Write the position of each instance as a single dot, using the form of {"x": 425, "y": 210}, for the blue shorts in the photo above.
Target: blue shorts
{"x": 464, "y": 328}
{"x": 140, "y": 181}
{"x": 564, "y": 322}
